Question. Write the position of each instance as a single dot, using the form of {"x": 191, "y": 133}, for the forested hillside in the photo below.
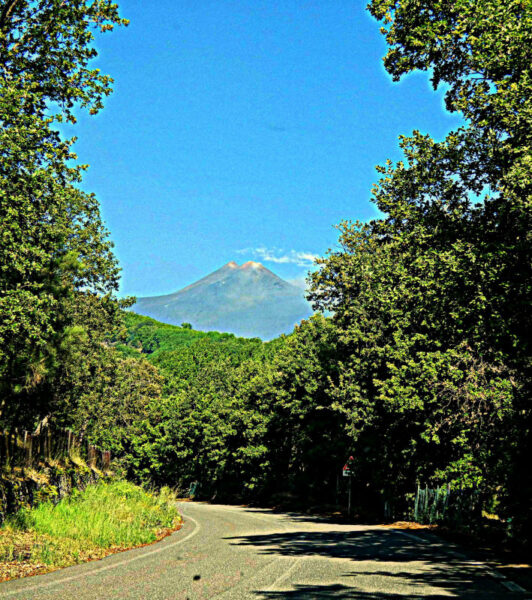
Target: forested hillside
{"x": 422, "y": 372}
{"x": 246, "y": 419}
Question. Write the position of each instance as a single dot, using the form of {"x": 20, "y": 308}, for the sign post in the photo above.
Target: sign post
{"x": 347, "y": 471}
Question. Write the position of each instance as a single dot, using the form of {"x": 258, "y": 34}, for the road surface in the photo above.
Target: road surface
{"x": 233, "y": 553}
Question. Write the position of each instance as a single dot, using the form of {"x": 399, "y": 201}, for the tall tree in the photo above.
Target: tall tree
{"x": 54, "y": 250}
{"x": 432, "y": 302}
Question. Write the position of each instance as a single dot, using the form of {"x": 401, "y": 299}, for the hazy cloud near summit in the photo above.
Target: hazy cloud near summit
{"x": 280, "y": 256}
{"x": 300, "y": 282}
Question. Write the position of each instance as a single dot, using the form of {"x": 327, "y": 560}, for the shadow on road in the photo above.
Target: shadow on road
{"x": 379, "y": 545}
{"x": 342, "y": 592}
{"x": 293, "y": 516}
{"x": 442, "y": 576}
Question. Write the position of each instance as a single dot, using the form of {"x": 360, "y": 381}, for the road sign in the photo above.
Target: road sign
{"x": 346, "y": 472}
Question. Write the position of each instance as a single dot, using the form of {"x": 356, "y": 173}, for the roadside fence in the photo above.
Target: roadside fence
{"x": 25, "y": 449}
{"x": 433, "y": 505}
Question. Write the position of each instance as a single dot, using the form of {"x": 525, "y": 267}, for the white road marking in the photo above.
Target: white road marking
{"x": 496, "y": 574}
{"x": 126, "y": 561}
{"x": 265, "y": 519}
{"x": 249, "y": 579}
{"x": 285, "y": 575}
{"x": 416, "y": 538}
{"x": 512, "y": 586}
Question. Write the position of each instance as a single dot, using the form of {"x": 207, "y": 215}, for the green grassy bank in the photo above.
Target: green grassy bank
{"x": 103, "y": 519}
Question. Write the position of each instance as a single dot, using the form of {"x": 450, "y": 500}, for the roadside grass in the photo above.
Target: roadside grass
{"x": 103, "y": 519}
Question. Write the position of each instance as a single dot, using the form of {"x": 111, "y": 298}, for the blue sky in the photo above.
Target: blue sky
{"x": 242, "y": 130}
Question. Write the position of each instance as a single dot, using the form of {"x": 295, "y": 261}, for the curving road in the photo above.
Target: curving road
{"x": 233, "y": 553}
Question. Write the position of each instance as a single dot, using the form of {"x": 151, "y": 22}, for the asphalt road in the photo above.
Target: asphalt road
{"x": 233, "y": 553}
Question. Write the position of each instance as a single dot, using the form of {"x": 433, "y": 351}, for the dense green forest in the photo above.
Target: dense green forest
{"x": 422, "y": 371}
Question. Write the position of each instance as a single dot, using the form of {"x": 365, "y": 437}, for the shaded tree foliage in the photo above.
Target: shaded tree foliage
{"x": 432, "y": 302}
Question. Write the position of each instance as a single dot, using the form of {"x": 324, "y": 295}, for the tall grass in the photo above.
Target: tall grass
{"x": 105, "y": 517}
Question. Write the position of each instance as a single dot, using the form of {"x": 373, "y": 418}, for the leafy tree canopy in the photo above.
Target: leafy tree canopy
{"x": 432, "y": 302}
{"x": 55, "y": 253}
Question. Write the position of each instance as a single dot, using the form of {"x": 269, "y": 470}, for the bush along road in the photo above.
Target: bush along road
{"x": 103, "y": 519}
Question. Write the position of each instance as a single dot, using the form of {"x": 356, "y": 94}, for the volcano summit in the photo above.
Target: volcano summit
{"x": 247, "y": 300}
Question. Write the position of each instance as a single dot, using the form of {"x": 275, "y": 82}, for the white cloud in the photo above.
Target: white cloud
{"x": 299, "y": 282}
{"x": 279, "y": 256}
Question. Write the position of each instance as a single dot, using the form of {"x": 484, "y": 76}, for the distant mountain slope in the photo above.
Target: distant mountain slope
{"x": 247, "y": 300}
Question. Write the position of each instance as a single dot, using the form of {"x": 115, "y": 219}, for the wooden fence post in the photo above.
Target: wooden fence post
{"x": 5, "y": 447}
{"x": 91, "y": 456}
{"x": 13, "y": 446}
{"x": 29, "y": 450}
{"x": 42, "y": 446}
{"x": 25, "y": 447}
{"x": 6, "y": 443}
{"x": 49, "y": 444}
{"x": 106, "y": 460}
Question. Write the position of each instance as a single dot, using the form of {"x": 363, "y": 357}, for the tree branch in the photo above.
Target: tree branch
{"x": 6, "y": 13}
